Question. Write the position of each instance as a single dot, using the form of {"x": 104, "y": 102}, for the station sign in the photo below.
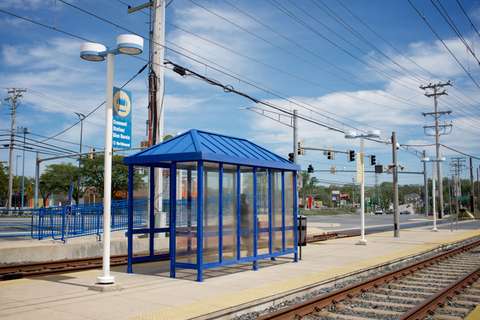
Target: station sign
{"x": 122, "y": 119}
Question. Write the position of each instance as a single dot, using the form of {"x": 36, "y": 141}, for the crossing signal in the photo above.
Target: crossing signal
{"x": 373, "y": 160}
{"x": 290, "y": 157}
{"x": 351, "y": 155}
{"x": 310, "y": 169}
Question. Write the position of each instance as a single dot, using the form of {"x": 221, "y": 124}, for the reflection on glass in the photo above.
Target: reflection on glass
{"x": 229, "y": 207}
{"x": 289, "y": 207}
{"x": 276, "y": 211}
{"x": 246, "y": 212}
{"x": 186, "y": 240}
{"x": 262, "y": 211}
{"x": 210, "y": 211}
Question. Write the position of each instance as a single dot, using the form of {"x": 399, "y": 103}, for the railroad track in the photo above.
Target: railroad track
{"x": 443, "y": 287}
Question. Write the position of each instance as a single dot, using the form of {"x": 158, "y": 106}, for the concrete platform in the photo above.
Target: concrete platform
{"x": 15, "y": 251}
{"x": 18, "y": 251}
{"x": 150, "y": 294}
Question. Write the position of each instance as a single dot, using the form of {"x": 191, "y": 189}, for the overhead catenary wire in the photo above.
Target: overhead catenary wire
{"x": 468, "y": 17}
{"x": 432, "y": 29}
{"x": 406, "y": 57}
{"x": 444, "y": 13}
{"x": 302, "y": 105}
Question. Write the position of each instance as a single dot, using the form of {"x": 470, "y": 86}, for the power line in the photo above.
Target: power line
{"x": 443, "y": 12}
{"x": 302, "y": 105}
{"x": 468, "y": 18}
{"x": 406, "y": 57}
{"x": 424, "y": 18}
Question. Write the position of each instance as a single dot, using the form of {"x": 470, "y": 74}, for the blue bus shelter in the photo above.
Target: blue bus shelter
{"x": 228, "y": 201}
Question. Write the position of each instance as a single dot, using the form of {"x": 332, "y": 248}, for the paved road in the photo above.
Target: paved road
{"x": 15, "y": 226}
{"x": 373, "y": 223}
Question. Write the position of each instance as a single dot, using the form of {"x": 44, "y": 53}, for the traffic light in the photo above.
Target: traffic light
{"x": 351, "y": 155}
{"x": 373, "y": 160}
{"x": 91, "y": 156}
{"x": 310, "y": 169}
{"x": 290, "y": 157}
{"x": 300, "y": 150}
{"x": 330, "y": 155}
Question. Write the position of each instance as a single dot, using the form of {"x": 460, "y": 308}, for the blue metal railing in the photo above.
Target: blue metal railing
{"x": 62, "y": 222}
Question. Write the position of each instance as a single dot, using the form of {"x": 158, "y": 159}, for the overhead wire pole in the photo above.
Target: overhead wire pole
{"x": 396, "y": 212}
{"x": 437, "y": 114}
{"x": 14, "y": 95}
{"x": 156, "y": 88}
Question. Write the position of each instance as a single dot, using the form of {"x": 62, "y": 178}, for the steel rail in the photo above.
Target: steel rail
{"x": 428, "y": 306}
{"x": 335, "y": 297}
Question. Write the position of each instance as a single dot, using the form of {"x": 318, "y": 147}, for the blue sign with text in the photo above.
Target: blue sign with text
{"x": 122, "y": 119}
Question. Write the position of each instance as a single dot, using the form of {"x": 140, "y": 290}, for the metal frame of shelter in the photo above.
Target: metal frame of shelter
{"x": 248, "y": 214}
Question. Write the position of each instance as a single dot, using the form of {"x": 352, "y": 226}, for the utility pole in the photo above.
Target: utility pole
{"x": 396, "y": 212}
{"x": 156, "y": 83}
{"x": 81, "y": 117}
{"x": 472, "y": 188}
{"x": 22, "y": 194}
{"x": 14, "y": 95}
{"x": 437, "y": 114}
{"x": 425, "y": 184}
{"x": 457, "y": 164}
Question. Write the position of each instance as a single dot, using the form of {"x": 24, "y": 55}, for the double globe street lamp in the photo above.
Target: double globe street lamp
{"x": 361, "y": 175}
{"x": 129, "y": 44}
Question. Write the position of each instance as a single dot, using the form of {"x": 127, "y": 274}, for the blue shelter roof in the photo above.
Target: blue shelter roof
{"x": 197, "y": 145}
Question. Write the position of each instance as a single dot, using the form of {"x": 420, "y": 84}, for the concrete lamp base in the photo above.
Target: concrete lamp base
{"x": 362, "y": 242}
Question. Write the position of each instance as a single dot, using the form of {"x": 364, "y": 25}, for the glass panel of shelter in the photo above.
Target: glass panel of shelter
{"x": 229, "y": 215}
{"x": 186, "y": 212}
{"x": 229, "y": 212}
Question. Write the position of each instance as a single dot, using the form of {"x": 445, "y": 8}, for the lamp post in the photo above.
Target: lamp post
{"x": 434, "y": 165}
{"x": 126, "y": 44}
{"x": 361, "y": 174}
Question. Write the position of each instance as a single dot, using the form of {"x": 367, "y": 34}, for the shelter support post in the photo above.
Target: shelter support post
{"x": 295, "y": 217}
{"x": 237, "y": 191}
{"x": 200, "y": 221}
{"x": 255, "y": 220}
{"x": 173, "y": 218}
{"x": 220, "y": 213}
{"x": 130, "y": 220}
{"x": 283, "y": 211}
{"x": 151, "y": 208}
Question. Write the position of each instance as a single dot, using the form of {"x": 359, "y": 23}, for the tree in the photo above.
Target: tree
{"x": 92, "y": 175}
{"x": 57, "y": 178}
{"x": 3, "y": 184}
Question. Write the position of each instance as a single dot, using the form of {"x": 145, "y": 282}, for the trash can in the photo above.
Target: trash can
{"x": 302, "y": 231}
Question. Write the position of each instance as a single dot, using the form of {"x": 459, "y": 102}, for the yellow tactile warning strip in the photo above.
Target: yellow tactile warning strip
{"x": 224, "y": 301}
{"x": 474, "y": 315}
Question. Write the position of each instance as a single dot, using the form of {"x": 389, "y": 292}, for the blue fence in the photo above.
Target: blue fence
{"x": 64, "y": 222}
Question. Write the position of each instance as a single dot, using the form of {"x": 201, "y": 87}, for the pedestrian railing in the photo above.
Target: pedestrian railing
{"x": 69, "y": 221}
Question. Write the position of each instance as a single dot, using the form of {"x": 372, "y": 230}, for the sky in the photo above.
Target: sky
{"x": 347, "y": 64}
